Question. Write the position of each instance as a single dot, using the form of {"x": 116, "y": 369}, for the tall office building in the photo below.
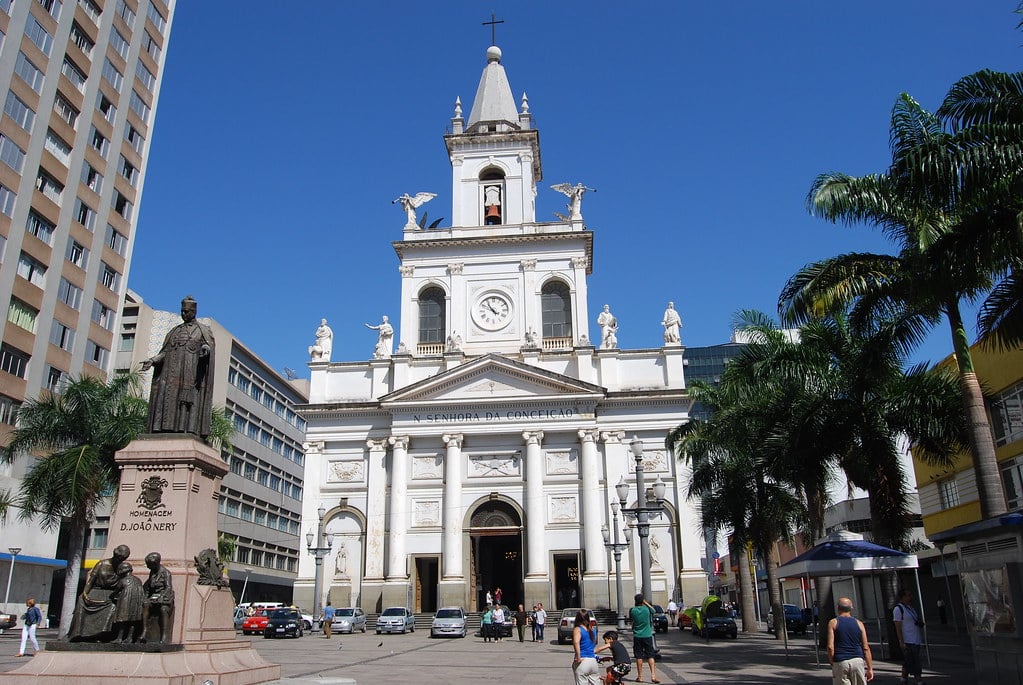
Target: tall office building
{"x": 80, "y": 83}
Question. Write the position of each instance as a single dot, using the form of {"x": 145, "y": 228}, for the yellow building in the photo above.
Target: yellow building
{"x": 948, "y": 495}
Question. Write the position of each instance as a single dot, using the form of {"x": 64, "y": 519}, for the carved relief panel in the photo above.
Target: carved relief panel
{"x": 562, "y": 462}
{"x": 563, "y": 509}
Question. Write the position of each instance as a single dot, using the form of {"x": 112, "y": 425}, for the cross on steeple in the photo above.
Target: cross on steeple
{"x": 493, "y": 27}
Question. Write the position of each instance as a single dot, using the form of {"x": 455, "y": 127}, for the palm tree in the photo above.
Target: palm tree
{"x": 942, "y": 260}
{"x": 79, "y": 429}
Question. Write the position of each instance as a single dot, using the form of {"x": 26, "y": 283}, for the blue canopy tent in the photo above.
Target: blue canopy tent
{"x": 847, "y": 554}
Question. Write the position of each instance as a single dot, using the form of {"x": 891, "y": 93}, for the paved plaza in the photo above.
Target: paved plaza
{"x": 373, "y": 659}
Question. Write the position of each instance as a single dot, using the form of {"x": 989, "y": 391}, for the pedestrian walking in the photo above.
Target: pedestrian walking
{"x": 584, "y": 641}
{"x": 942, "y": 614}
{"x": 672, "y": 611}
{"x": 30, "y": 619}
{"x": 910, "y": 629}
{"x": 848, "y": 649}
{"x": 539, "y": 621}
{"x": 642, "y": 615}
{"x": 487, "y": 623}
{"x": 532, "y": 621}
{"x": 327, "y": 619}
{"x": 498, "y": 621}
{"x": 520, "y": 622}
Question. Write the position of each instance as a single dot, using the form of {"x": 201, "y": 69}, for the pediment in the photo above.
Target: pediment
{"x": 492, "y": 378}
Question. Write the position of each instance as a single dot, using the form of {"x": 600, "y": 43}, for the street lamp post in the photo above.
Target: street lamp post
{"x": 245, "y": 585}
{"x": 648, "y": 505}
{"x": 319, "y": 551}
{"x": 617, "y": 548}
{"x": 15, "y": 551}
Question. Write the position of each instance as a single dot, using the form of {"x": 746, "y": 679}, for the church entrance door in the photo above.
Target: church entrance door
{"x": 426, "y": 584}
{"x": 566, "y": 580}
{"x": 495, "y": 536}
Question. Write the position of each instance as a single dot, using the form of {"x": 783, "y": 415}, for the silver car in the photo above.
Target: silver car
{"x": 448, "y": 621}
{"x": 348, "y": 620}
{"x": 396, "y": 620}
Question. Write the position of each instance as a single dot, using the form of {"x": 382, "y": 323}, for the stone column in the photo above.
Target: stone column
{"x": 452, "y": 518}
{"x": 536, "y": 554}
{"x": 376, "y": 499}
{"x": 592, "y": 510}
{"x": 616, "y": 467}
{"x": 396, "y": 519}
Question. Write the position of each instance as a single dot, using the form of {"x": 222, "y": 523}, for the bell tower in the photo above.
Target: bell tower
{"x": 496, "y": 280}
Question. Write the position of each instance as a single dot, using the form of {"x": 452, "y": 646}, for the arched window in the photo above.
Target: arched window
{"x": 492, "y": 184}
{"x": 556, "y": 310}
{"x": 431, "y": 315}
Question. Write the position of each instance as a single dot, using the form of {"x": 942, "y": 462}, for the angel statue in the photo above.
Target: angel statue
{"x": 574, "y": 193}
{"x": 410, "y": 204}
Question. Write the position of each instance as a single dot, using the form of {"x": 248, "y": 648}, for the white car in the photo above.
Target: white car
{"x": 348, "y": 620}
{"x": 448, "y": 621}
{"x": 396, "y": 620}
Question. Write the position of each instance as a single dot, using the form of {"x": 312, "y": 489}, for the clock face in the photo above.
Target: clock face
{"x": 492, "y": 312}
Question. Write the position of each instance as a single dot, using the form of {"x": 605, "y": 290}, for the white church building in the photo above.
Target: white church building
{"x": 483, "y": 450}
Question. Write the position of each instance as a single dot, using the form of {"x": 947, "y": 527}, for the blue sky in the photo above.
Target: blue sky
{"x": 284, "y": 130}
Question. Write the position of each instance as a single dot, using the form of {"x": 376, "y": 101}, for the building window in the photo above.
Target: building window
{"x": 38, "y": 35}
{"x": 91, "y": 8}
{"x": 62, "y": 336}
{"x": 5, "y": 6}
{"x": 247, "y": 512}
{"x": 85, "y": 215}
{"x": 58, "y": 147}
{"x": 80, "y": 38}
{"x": 106, "y": 108}
{"x": 119, "y": 43}
{"x": 96, "y": 354}
{"x": 154, "y": 16}
{"x": 11, "y": 155}
{"x": 65, "y": 110}
{"x": 7, "y": 198}
{"x": 112, "y": 75}
{"x": 431, "y": 316}
{"x": 40, "y": 227}
{"x": 144, "y": 75}
{"x": 134, "y": 138}
{"x": 150, "y": 45}
{"x": 232, "y": 508}
{"x": 948, "y": 492}
{"x": 28, "y": 72}
{"x": 23, "y": 115}
{"x": 116, "y": 241}
{"x": 74, "y": 73}
{"x": 49, "y": 186}
{"x": 128, "y": 171}
{"x": 1012, "y": 478}
{"x": 13, "y": 360}
{"x": 556, "y": 310}
{"x": 126, "y": 13}
{"x": 1007, "y": 415}
{"x": 109, "y": 277}
{"x": 22, "y": 315}
{"x": 99, "y": 142}
{"x": 9, "y": 410}
{"x": 78, "y": 254}
{"x": 55, "y": 379}
{"x": 103, "y": 315}
{"x": 121, "y": 205}
{"x": 69, "y": 294}
{"x": 32, "y": 270}
{"x": 91, "y": 178}
{"x": 51, "y": 6}
{"x": 139, "y": 106}
{"x": 127, "y": 342}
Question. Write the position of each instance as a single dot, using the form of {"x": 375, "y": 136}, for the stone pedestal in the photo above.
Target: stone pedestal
{"x": 595, "y": 591}
{"x": 167, "y": 503}
{"x": 341, "y": 592}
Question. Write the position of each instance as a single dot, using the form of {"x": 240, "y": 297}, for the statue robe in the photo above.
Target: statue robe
{"x": 181, "y": 399}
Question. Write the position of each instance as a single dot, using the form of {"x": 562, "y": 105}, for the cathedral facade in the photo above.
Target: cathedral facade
{"x": 483, "y": 451}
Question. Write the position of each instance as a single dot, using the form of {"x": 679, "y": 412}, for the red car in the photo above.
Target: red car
{"x": 256, "y": 623}
{"x": 684, "y": 622}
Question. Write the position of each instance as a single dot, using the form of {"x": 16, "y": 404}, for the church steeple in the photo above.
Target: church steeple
{"x": 495, "y": 155}
{"x": 493, "y": 109}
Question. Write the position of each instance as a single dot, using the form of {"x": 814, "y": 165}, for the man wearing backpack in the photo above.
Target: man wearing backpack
{"x": 32, "y": 618}
{"x": 909, "y": 628}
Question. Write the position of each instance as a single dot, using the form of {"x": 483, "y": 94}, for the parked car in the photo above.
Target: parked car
{"x": 793, "y": 619}
{"x": 8, "y": 621}
{"x": 307, "y": 620}
{"x": 685, "y": 622}
{"x": 396, "y": 620}
{"x": 567, "y": 622}
{"x": 239, "y": 618}
{"x": 255, "y": 624}
{"x": 284, "y": 622}
{"x": 348, "y": 620}
{"x": 448, "y": 621}
{"x": 660, "y": 620}
{"x": 718, "y": 626}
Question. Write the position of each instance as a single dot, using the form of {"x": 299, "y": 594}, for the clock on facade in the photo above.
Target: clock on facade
{"x": 492, "y": 312}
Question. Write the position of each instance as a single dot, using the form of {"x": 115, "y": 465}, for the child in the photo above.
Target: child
{"x": 622, "y": 664}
